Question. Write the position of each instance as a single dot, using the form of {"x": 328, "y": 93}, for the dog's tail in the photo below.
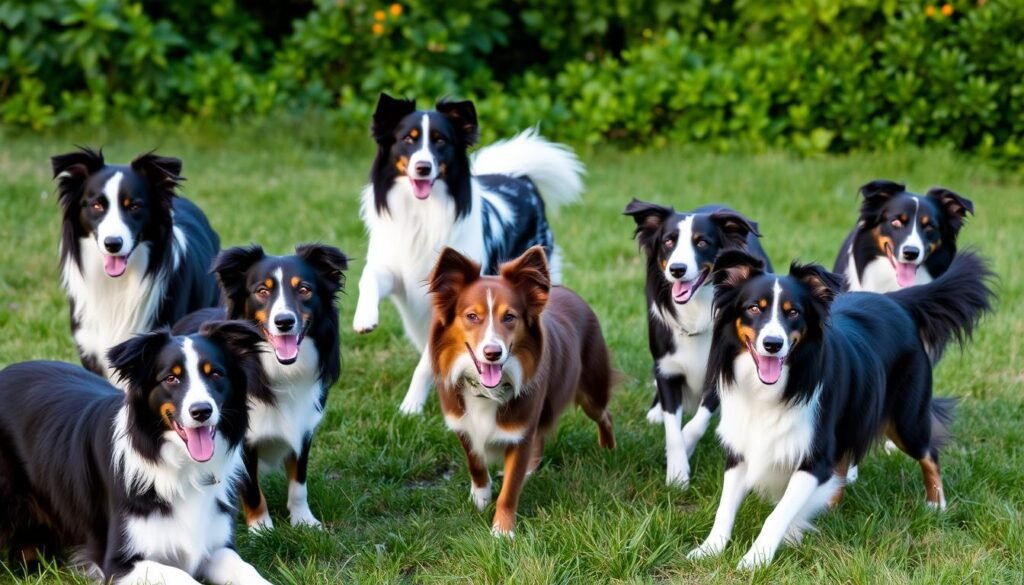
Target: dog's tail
{"x": 949, "y": 307}
{"x": 553, "y": 168}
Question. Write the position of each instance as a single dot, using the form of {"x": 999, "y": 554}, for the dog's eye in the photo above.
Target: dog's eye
{"x": 305, "y": 291}
{"x": 97, "y": 206}
{"x": 702, "y": 244}
{"x": 172, "y": 380}
{"x": 792, "y": 313}
{"x": 896, "y": 223}
{"x": 669, "y": 243}
{"x": 439, "y": 142}
{"x": 928, "y": 227}
{"x": 408, "y": 140}
{"x": 754, "y": 310}
{"x": 134, "y": 206}
{"x": 508, "y": 319}
{"x": 472, "y": 317}
{"x": 215, "y": 375}
{"x": 263, "y": 292}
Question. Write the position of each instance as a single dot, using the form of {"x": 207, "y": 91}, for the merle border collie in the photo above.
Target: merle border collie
{"x": 901, "y": 238}
{"x": 425, "y": 195}
{"x": 809, "y": 378}
{"x": 681, "y": 248}
{"x": 509, "y": 353}
{"x": 137, "y": 485}
{"x": 134, "y": 255}
{"x": 292, "y": 301}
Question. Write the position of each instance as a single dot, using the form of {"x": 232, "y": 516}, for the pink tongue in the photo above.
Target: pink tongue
{"x": 769, "y": 368}
{"x": 421, "y": 189}
{"x": 115, "y": 265}
{"x": 200, "y": 443}
{"x": 905, "y": 273}
{"x": 681, "y": 291}
{"x": 285, "y": 346}
{"x": 490, "y": 374}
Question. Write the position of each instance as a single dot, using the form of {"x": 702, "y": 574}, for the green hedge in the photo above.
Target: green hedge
{"x": 813, "y": 75}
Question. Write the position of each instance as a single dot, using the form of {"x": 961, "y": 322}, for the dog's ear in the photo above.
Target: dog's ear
{"x": 956, "y": 206}
{"x": 329, "y": 263}
{"x": 230, "y": 267}
{"x": 72, "y": 169}
{"x": 132, "y": 360}
{"x": 239, "y": 338}
{"x": 824, "y": 285}
{"x": 735, "y": 227}
{"x": 529, "y": 275}
{"x": 649, "y": 218}
{"x": 451, "y": 275}
{"x": 732, "y": 267}
{"x": 462, "y": 115}
{"x": 876, "y": 194}
{"x": 162, "y": 172}
{"x": 388, "y": 114}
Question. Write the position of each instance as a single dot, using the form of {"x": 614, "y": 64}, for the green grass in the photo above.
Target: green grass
{"x": 393, "y": 491}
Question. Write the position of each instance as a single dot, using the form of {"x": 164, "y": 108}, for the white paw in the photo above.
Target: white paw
{"x": 678, "y": 473}
{"x": 499, "y": 533}
{"x": 939, "y": 506}
{"x": 303, "y": 516}
{"x": 754, "y": 559}
{"x": 261, "y": 523}
{"x": 890, "y": 447}
{"x": 655, "y": 415}
{"x": 481, "y": 496}
{"x": 366, "y": 318}
{"x": 852, "y": 474}
{"x": 411, "y": 406}
{"x": 710, "y": 548}
{"x": 691, "y": 437}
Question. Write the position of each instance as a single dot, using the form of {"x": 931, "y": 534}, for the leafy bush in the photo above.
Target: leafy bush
{"x": 815, "y": 76}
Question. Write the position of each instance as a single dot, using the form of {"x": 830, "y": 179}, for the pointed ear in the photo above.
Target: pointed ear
{"x": 462, "y": 115}
{"x": 162, "y": 172}
{"x": 956, "y": 206}
{"x": 329, "y": 263}
{"x": 230, "y": 267}
{"x": 875, "y": 194}
{"x": 824, "y": 285}
{"x": 530, "y": 276}
{"x": 649, "y": 218}
{"x": 388, "y": 114}
{"x": 132, "y": 360}
{"x": 451, "y": 275}
{"x": 72, "y": 169}
{"x": 733, "y": 267}
{"x": 735, "y": 227}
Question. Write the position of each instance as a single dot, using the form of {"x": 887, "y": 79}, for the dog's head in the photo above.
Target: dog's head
{"x": 487, "y": 328}
{"x": 907, "y": 228}
{"x": 420, "y": 148}
{"x": 284, "y": 296}
{"x": 683, "y": 246}
{"x": 119, "y": 207}
{"x": 770, "y": 316}
{"x": 190, "y": 390}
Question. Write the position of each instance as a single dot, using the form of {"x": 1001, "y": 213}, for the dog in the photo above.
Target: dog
{"x": 424, "y": 196}
{"x": 292, "y": 301}
{"x": 901, "y": 239}
{"x": 809, "y": 378}
{"x": 137, "y": 483}
{"x": 509, "y": 353}
{"x": 133, "y": 254}
{"x": 681, "y": 249}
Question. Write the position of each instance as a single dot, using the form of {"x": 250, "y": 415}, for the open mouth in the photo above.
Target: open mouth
{"x": 286, "y": 347}
{"x": 769, "y": 367}
{"x": 906, "y": 272}
{"x": 682, "y": 292}
{"x": 421, "y": 187}
{"x": 115, "y": 265}
{"x": 198, "y": 441}
{"x": 490, "y": 373}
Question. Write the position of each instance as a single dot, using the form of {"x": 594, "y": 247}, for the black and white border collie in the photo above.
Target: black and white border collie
{"x": 425, "y": 195}
{"x": 809, "y": 378}
{"x": 292, "y": 301}
{"x": 134, "y": 255}
{"x": 137, "y": 485}
{"x": 681, "y": 248}
{"x": 901, "y": 239}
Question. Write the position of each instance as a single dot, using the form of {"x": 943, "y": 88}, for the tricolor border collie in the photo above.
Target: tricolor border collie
{"x": 509, "y": 353}
{"x": 809, "y": 378}
{"x": 424, "y": 195}
{"x": 133, "y": 254}
{"x": 901, "y": 238}
{"x": 681, "y": 248}
{"x": 292, "y": 300}
{"x": 137, "y": 485}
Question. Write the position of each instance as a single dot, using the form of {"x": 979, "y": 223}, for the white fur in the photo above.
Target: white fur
{"x": 774, "y": 327}
{"x": 279, "y": 307}
{"x": 480, "y": 426}
{"x": 112, "y": 224}
{"x": 684, "y": 253}
{"x": 153, "y": 573}
{"x": 197, "y": 391}
{"x": 406, "y": 240}
{"x": 678, "y": 469}
{"x": 423, "y": 154}
{"x": 481, "y": 496}
{"x": 225, "y": 566}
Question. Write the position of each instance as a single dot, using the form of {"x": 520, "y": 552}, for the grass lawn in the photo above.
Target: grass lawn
{"x": 393, "y": 491}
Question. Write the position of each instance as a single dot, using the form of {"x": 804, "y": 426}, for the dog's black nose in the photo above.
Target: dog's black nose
{"x": 772, "y": 344}
{"x": 113, "y": 244}
{"x": 492, "y": 352}
{"x": 423, "y": 168}
{"x": 284, "y": 322}
{"x": 911, "y": 252}
{"x": 677, "y": 270}
{"x": 201, "y": 411}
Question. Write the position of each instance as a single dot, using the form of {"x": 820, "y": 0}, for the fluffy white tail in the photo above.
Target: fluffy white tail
{"x": 553, "y": 168}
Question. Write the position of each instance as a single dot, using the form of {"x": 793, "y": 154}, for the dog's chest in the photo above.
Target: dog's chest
{"x": 771, "y": 436}
{"x": 479, "y": 425}
{"x": 284, "y": 426}
{"x": 691, "y": 336}
{"x": 879, "y": 276}
{"x": 187, "y": 536}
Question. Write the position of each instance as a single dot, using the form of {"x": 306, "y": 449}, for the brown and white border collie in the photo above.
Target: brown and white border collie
{"x": 509, "y": 354}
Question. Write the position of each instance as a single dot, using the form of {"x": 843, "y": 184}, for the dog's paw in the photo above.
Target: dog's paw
{"x": 366, "y": 318}
{"x": 499, "y": 532}
{"x": 754, "y": 559}
{"x": 678, "y": 472}
{"x": 852, "y": 474}
{"x": 410, "y": 406}
{"x": 261, "y": 523}
{"x": 480, "y": 496}
{"x": 890, "y": 447}
{"x": 655, "y": 415}
{"x": 304, "y": 517}
{"x": 709, "y": 548}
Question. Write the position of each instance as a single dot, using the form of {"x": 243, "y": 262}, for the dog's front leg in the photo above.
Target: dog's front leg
{"x": 374, "y": 285}
{"x": 734, "y": 490}
{"x": 798, "y": 495}
{"x": 517, "y": 463}
{"x": 419, "y": 386}
{"x": 225, "y": 566}
{"x": 154, "y": 573}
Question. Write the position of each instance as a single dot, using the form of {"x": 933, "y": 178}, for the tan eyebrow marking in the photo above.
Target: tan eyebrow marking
{"x": 295, "y": 281}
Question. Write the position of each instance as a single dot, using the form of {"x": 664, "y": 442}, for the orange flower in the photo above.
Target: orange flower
{"x": 947, "y": 10}
{"x": 396, "y": 10}
{"x": 378, "y": 29}
{"x": 929, "y": 10}
{"x": 379, "y": 15}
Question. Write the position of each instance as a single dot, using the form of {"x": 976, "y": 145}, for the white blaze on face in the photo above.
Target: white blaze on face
{"x": 769, "y": 365}
{"x": 684, "y": 253}
{"x": 914, "y": 239}
{"x": 113, "y": 225}
{"x": 422, "y": 184}
{"x": 490, "y": 372}
{"x": 285, "y": 343}
{"x": 198, "y": 435}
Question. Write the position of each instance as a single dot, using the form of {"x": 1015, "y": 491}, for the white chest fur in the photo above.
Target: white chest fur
{"x": 283, "y": 426}
{"x": 772, "y": 436}
{"x": 479, "y": 425}
{"x": 691, "y": 331}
